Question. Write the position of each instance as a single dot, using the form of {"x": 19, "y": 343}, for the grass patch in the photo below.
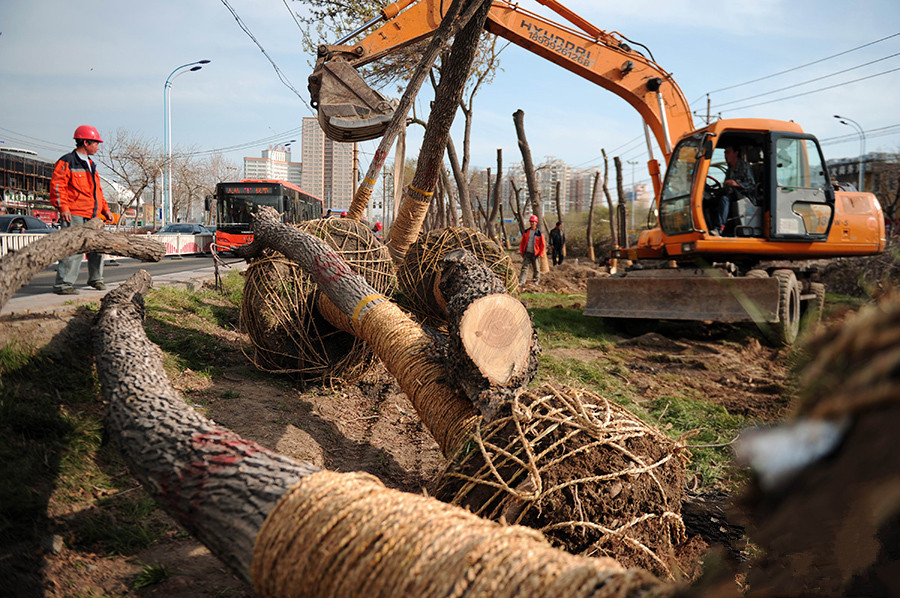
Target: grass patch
{"x": 711, "y": 457}
{"x": 150, "y": 575}
{"x": 120, "y": 524}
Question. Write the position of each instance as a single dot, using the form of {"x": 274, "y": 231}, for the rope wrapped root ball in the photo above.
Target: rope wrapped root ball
{"x": 419, "y": 273}
{"x": 280, "y": 314}
{"x": 585, "y": 471}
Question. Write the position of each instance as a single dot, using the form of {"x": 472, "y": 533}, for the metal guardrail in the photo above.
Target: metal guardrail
{"x": 176, "y": 244}
{"x": 15, "y": 241}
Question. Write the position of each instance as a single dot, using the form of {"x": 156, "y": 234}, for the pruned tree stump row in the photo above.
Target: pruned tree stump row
{"x": 280, "y": 306}
{"x": 19, "y": 267}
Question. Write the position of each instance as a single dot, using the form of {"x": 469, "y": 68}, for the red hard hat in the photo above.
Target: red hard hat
{"x": 377, "y": 226}
{"x": 344, "y": 214}
{"x": 87, "y": 132}
{"x": 533, "y": 218}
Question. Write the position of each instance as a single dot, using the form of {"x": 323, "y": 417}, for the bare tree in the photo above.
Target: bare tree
{"x": 134, "y": 161}
{"x": 590, "y": 222}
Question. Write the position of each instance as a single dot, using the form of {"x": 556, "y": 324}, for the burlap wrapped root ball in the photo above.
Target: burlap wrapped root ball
{"x": 594, "y": 478}
{"x": 419, "y": 275}
{"x": 279, "y": 308}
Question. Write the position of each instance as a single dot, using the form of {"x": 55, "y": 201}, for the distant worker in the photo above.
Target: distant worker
{"x": 328, "y": 213}
{"x": 376, "y": 230}
{"x": 738, "y": 182}
{"x": 531, "y": 247}
{"x": 344, "y": 214}
{"x": 557, "y": 243}
{"x": 75, "y": 191}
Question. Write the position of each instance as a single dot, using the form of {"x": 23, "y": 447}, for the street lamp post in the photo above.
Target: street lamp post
{"x": 862, "y": 149}
{"x": 167, "y": 134}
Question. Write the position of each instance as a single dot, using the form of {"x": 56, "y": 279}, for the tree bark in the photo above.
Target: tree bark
{"x": 590, "y": 222}
{"x": 495, "y": 204}
{"x": 621, "y": 212}
{"x": 217, "y": 485}
{"x": 559, "y": 211}
{"x": 294, "y": 530}
{"x": 17, "y": 268}
{"x": 517, "y": 207}
{"x": 465, "y": 203}
{"x": 609, "y": 203}
{"x": 446, "y": 101}
{"x": 444, "y": 32}
{"x": 528, "y": 165}
{"x": 451, "y": 202}
{"x": 493, "y": 347}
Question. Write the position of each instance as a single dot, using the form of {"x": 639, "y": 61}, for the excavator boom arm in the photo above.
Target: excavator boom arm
{"x": 589, "y": 52}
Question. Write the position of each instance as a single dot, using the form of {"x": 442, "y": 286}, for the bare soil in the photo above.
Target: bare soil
{"x": 367, "y": 426}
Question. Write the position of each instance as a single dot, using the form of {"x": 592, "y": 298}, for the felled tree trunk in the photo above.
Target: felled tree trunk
{"x": 614, "y": 238}
{"x": 405, "y": 348}
{"x": 16, "y": 269}
{"x": 294, "y": 530}
{"x": 493, "y": 348}
{"x": 217, "y": 485}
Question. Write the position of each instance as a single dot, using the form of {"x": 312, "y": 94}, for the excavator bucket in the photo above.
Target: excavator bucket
{"x": 675, "y": 297}
{"x": 348, "y": 109}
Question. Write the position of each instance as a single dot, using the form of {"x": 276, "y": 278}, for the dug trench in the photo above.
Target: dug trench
{"x": 83, "y": 526}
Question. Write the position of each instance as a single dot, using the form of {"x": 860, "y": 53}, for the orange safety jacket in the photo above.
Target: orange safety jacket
{"x": 76, "y": 188}
{"x": 538, "y": 242}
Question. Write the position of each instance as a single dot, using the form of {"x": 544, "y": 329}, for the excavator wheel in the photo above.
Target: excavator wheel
{"x": 816, "y": 306}
{"x": 788, "y": 325}
{"x": 756, "y": 274}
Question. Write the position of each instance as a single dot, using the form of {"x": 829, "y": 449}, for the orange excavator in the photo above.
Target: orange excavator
{"x": 758, "y": 263}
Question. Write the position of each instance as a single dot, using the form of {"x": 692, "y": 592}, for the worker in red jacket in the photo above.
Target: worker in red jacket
{"x": 531, "y": 247}
{"x": 75, "y": 191}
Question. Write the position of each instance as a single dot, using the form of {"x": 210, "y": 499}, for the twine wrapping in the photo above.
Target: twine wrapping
{"x": 361, "y": 199}
{"x": 856, "y": 365}
{"x": 408, "y": 223}
{"x": 585, "y": 471}
{"x": 448, "y": 415}
{"x": 347, "y": 535}
{"x": 419, "y": 274}
{"x": 279, "y": 307}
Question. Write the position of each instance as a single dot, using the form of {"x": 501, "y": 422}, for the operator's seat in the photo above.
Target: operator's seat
{"x": 747, "y": 209}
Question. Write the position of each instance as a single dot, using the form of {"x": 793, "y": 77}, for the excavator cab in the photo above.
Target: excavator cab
{"x": 790, "y": 196}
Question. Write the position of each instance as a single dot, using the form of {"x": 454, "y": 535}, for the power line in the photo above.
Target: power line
{"x": 281, "y": 75}
{"x": 877, "y": 41}
{"x": 815, "y": 90}
{"x": 248, "y": 144}
{"x": 847, "y": 70}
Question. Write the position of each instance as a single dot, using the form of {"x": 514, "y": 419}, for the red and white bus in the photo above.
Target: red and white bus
{"x": 237, "y": 202}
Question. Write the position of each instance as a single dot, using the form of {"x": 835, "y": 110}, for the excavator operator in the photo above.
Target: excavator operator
{"x": 738, "y": 183}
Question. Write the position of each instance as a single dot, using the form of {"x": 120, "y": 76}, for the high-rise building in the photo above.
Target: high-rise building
{"x": 327, "y": 167}
{"x": 274, "y": 164}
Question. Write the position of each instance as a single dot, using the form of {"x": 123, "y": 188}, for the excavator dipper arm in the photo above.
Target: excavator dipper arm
{"x": 591, "y": 53}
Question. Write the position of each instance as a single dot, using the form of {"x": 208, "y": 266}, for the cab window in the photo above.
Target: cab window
{"x": 675, "y": 199}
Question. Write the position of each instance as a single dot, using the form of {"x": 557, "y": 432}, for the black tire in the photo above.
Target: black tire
{"x": 756, "y": 274}
{"x": 788, "y": 326}
{"x": 816, "y": 306}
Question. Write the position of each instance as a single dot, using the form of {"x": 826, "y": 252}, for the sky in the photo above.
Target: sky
{"x": 105, "y": 63}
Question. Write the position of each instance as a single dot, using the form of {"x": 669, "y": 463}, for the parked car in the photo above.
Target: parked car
{"x": 17, "y": 223}
{"x": 186, "y": 228}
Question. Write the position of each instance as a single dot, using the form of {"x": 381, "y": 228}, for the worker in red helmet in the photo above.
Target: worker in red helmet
{"x": 531, "y": 247}
{"x": 376, "y": 230}
{"x": 75, "y": 191}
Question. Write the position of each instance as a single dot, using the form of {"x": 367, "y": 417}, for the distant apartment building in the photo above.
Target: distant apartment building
{"x": 327, "y": 167}
{"x": 275, "y": 163}
{"x": 575, "y": 187}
